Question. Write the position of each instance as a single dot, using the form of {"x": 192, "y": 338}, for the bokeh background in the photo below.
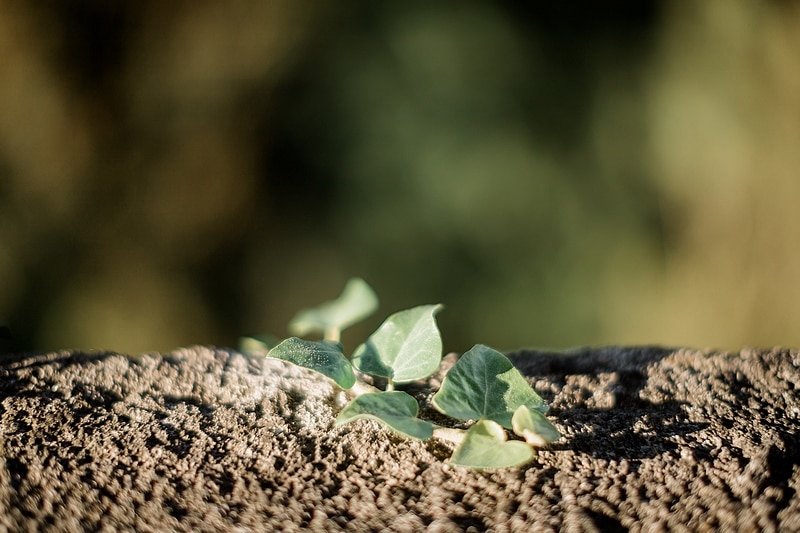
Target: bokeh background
{"x": 556, "y": 174}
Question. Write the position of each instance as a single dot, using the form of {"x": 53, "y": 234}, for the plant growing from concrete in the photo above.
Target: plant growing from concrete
{"x": 483, "y": 388}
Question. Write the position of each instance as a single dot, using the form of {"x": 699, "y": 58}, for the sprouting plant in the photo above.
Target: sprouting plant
{"x": 483, "y": 387}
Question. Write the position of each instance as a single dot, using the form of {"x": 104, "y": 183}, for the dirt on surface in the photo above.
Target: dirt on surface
{"x": 206, "y": 439}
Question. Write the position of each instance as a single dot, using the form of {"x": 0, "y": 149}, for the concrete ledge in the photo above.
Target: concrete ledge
{"x": 206, "y": 439}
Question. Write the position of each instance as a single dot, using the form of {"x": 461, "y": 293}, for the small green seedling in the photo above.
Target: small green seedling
{"x": 357, "y": 302}
{"x": 482, "y": 387}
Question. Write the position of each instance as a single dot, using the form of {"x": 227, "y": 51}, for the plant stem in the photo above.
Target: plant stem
{"x": 332, "y": 334}
{"x": 454, "y": 435}
{"x": 389, "y": 385}
{"x": 361, "y": 388}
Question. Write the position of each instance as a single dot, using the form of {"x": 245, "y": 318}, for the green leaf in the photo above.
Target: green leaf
{"x": 534, "y": 427}
{"x": 397, "y": 410}
{"x": 485, "y": 446}
{"x": 406, "y": 347}
{"x": 356, "y": 302}
{"x": 324, "y": 357}
{"x": 483, "y": 384}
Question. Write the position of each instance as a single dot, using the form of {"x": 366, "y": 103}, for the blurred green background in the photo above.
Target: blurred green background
{"x": 174, "y": 173}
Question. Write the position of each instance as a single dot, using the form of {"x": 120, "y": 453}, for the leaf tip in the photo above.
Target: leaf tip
{"x": 532, "y": 425}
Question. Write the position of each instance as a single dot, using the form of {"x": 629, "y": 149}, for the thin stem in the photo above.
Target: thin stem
{"x": 333, "y": 334}
{"x": 454, "y": 435}
{"x": 361, "y": 388}
{"x": 389, "y": 385}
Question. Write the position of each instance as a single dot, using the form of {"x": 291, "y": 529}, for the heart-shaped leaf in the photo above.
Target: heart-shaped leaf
{"x": 406, "y": 347}
{"x": 396, "y": 409}
{"x": 321, "y": 356}
{"x": 484, "y": 385}
{"x": 534, "y": 427}
{"x": 356, "y": 302}
{"x": 486, "y": 446}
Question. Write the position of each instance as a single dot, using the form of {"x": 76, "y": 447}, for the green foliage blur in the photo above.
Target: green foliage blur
{"x": 183, "y": 173}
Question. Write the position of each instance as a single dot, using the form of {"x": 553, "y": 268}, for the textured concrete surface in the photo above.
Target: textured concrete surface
{"x": 206, "y": 439}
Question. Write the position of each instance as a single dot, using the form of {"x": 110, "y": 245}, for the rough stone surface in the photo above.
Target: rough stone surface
{"x": 208, "y": 439}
